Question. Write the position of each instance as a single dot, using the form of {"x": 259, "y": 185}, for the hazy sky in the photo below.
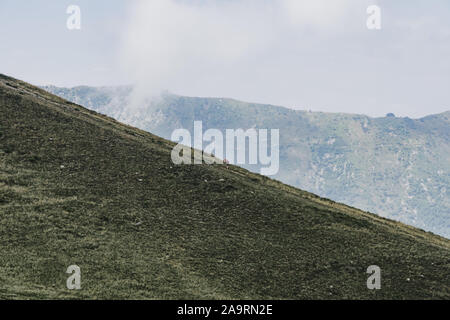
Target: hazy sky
{"x": 314, "y": 55}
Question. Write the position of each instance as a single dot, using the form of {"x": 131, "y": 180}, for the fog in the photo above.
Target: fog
{"x": 314, "y": 55}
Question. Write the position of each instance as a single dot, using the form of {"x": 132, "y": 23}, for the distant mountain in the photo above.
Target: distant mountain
{"x": 77, "y": 187}
{"x": 396, "y": 167}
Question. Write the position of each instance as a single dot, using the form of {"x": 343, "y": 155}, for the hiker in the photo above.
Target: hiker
{"x": 226, "y": 162}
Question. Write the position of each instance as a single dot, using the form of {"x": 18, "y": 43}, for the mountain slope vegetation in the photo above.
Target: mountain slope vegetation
{"x": 396, "y": 167}
{"x": 77, "y": 187}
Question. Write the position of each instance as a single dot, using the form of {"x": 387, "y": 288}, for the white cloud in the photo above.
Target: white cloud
{"x": 317, "y": 13}
{"x": 170, "y": 42}
{"x": 312, "y": 54}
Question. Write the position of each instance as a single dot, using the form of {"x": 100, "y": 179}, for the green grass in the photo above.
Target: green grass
{"x": 396, "y": 167}
{"x": 77, "y": 187}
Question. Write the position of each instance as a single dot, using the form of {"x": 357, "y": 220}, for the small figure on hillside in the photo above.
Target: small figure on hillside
{"x": 226, "y": 162}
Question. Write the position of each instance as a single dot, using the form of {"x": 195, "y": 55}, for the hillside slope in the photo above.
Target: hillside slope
{"x": 396, "y": 167}
{"x": 77, "y": 187}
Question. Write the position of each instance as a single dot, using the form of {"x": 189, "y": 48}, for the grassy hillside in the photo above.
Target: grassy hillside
{"x": 396, "y": 167}
{"x": 77, "y": 187}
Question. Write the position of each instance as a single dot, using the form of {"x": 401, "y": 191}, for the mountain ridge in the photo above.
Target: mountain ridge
{"x": 81, "y": 188}
{"x": 402, "y": 163}
{"x": 54, "y": 88}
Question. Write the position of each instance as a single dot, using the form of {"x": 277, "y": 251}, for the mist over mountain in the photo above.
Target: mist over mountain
{"x": 396, "y": 167}
{"x": 78, "y": 187}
